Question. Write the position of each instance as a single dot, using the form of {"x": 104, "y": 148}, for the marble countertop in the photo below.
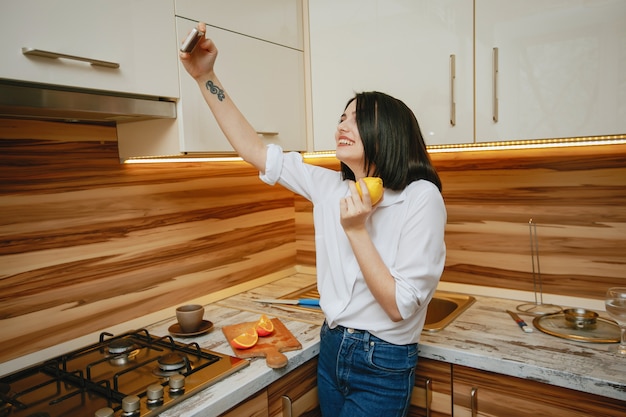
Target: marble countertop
{"x": 235, "y": 388}
{"x": 483, "y": 337}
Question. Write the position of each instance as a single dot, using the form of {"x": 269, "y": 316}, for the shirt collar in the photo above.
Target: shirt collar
{"x": 391, "y": 197}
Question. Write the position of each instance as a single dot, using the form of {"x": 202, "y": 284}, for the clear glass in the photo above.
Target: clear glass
{"x": 615, "y": 303}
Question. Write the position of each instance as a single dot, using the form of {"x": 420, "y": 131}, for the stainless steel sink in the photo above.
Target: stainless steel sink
{"x": 443, "y": 309}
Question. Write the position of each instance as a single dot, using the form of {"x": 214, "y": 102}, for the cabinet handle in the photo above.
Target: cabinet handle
{"x": 305, "y": 403}
{"x": 264, "y": 133}
{"x": 287, "y": 406}
{"x": 495, "y": 85}
{"x": 428, "y": 385}
{"x": 422, "y": 396}
{"x": 54, "y": 55}
{"x": 474, "y": 402}
{"x": 452, "y": 83}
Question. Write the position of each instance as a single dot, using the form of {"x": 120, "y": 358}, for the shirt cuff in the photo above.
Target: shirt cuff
{"x": 407, "y": 298}
{"x": 273, "y": 164}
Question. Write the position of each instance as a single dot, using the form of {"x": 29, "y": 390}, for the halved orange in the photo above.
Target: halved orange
{"x": 264, "y": 327}
{"x": 246, "y": 340}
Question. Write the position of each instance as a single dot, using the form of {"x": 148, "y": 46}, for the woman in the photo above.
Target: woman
{"x": 377, "y": 266}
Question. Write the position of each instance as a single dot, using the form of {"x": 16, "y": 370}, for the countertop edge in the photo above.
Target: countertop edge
{"x": 525, "y": 371}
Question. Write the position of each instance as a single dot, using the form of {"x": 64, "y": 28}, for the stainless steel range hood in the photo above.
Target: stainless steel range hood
{"x": 45, "y": 102}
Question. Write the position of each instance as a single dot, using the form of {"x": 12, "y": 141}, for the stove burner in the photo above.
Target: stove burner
{"x": 172, "y": 361}
{"x": 172, "y": 364}
{"x": 120, "y": 346}
{"x": 122, "y": 351}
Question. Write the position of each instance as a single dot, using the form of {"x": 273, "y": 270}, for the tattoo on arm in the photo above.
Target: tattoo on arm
{"x": 215, "y": 90}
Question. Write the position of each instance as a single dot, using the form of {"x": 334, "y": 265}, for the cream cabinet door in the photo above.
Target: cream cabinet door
{"x": 550, "y": 69}
{"x": 265, "y": 80}
{"x": 137, "y": 35}
{"x": 277, "y": 21}
{"x": 403, "y": 48}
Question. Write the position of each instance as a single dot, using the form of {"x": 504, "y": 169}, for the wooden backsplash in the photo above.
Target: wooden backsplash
{"x": 576, "y": 197}
{"x": 88, "y": 243}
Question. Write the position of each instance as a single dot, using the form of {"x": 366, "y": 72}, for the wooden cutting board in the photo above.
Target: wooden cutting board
{"x": 270, "y": 347}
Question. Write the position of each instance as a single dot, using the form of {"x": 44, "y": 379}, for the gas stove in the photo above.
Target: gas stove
{"x": 134, "y": 374}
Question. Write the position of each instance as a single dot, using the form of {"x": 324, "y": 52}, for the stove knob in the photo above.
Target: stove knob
{"x": 105, "y": 412}
{"x": 154, "y": 394}
{"x": 130, "y": 405}
{"x": 177, "y": 384}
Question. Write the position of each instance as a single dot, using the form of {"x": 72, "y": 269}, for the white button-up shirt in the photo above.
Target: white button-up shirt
{"x": 407, "y": 229}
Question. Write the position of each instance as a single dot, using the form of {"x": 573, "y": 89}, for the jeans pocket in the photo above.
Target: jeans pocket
{"x": 324, "y": 330}
{"x": 392, "y": 358}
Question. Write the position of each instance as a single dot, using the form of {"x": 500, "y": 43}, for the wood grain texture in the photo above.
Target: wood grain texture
{"x": 298, "y": 386}
{"x": 437, "y": 402}
{"x": 576, "y": 196}
{"x": 501, "y": 395}
{"x": 87, "y": 243}
{"x": 256, "y": 406}
{"x": 269, "y": 347}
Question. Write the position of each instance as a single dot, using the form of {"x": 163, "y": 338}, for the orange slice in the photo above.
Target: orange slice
{"x": 246, "y": 340}
{"x": 264, "y": 327}
{"x": 374, "y": 187}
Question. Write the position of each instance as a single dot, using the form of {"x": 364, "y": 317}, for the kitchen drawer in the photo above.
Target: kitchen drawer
{"x": 139, "y": 35}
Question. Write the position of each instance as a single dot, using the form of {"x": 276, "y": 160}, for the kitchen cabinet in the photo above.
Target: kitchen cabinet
{"x": 276, "y": 21}
{"x": 295, "y": 395}
{"x": 432, "y": 395}
{"x": 132, "y": 45}
{"x": 417, "y": 51}
{"x": 481, "y": 393}
{"x": 263, "y": 77}
{"x": 550, "y": 69}
{"x": 503, "y": 70}
{"x": 255, "y": 406}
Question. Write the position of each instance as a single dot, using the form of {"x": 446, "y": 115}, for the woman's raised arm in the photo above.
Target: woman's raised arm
{"x": 199, "y": 63}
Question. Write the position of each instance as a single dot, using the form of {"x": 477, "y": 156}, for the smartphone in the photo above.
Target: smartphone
{"x": 192, "y": 40}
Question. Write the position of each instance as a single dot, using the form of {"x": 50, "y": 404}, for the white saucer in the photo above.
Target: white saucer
{"x": 175, "y": 329}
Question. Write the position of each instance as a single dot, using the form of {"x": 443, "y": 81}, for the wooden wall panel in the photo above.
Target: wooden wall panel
{"x": 88, "y": 243}
{"x": 576, "y": 196}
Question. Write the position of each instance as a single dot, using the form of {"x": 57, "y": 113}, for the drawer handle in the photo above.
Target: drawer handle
{"x": 428, "y": 385}
{"x": 295, "y": 408}
{"x": 55, "y": 55}
{"x": 474, "y": 402}
{"x": 495, "y": 85}
{"x": 452, "y": 82}
{"x": 422, "y": 396}
{"x": 264, "y": 133}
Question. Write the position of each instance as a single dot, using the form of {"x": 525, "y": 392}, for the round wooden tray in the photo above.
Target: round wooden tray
{"x": 605, "y": 331}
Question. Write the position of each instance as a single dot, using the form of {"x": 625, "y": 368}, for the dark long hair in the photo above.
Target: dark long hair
{"x": 392, "y": 142}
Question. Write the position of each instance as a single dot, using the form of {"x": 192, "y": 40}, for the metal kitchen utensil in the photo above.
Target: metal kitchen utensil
{"x": 538, "y": 308}
{"x": 605, "y": 331}
{"x": 581, "y": 318}
{"x": 301, "y": 301}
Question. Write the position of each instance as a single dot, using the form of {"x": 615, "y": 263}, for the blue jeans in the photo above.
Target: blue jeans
{"x": 361, "y": 375}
